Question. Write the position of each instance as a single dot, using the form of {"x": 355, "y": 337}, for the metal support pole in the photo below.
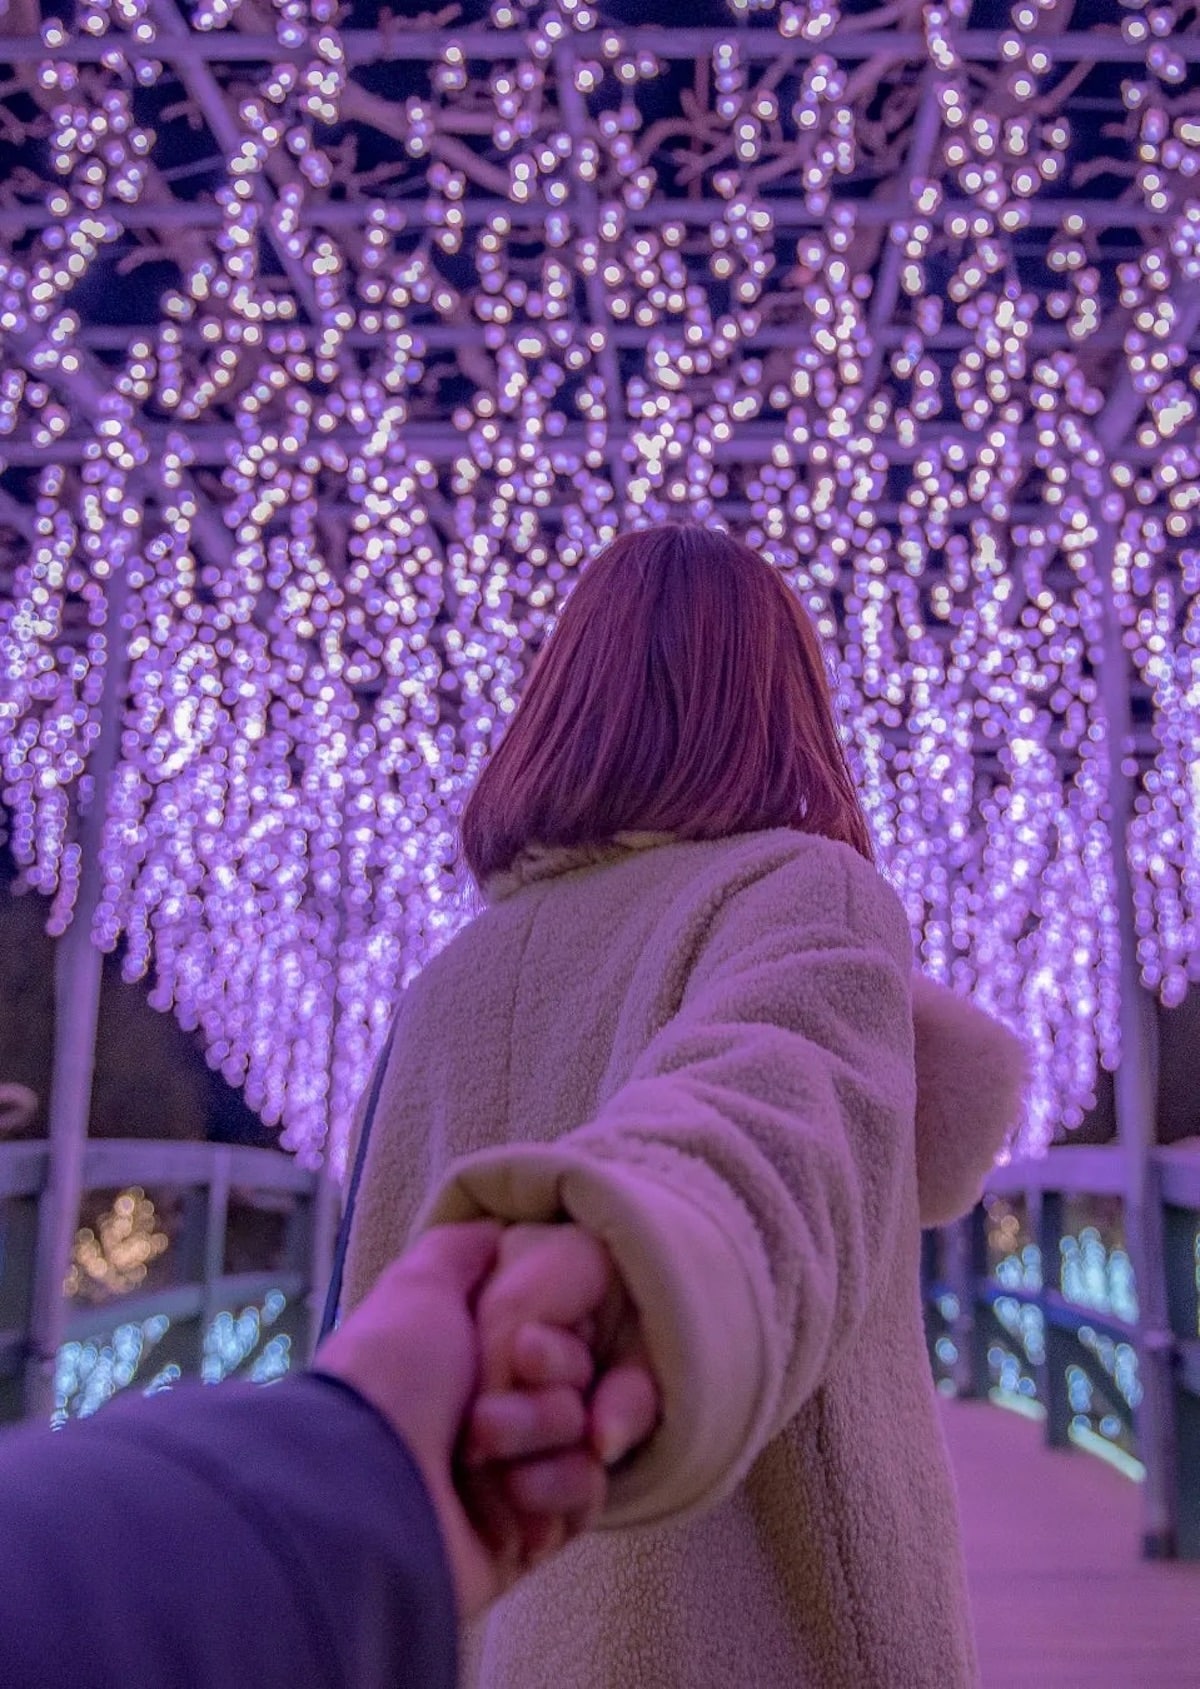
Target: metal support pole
{"x": 1136, "y": 1078}
{"x": 77, "y": 974}
{"x": 1136, "y": 1087}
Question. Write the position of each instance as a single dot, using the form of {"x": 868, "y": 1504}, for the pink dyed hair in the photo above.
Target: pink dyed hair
{"x": 683, "y": 690}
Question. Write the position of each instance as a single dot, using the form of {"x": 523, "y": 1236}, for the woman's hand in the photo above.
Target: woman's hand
{"x": 553, "y": 1305}
{"x": 411, "y": 1347}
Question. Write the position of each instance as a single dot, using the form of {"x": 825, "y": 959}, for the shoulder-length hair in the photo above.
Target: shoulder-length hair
{"x": 683, "y": 690}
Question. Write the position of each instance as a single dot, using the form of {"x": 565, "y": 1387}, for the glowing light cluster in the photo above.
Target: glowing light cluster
{"x": 232, "y": 1338}
{"x": 88, "y": 1374}
{"x": 1093, "y": 1272}
{"x": 114, "y": 1256}
{"x": 440, "y": 333}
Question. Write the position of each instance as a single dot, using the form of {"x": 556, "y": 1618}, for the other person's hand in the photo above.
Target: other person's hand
{"x": 553, "y": 1305}
{"x": 412, "y": 1349}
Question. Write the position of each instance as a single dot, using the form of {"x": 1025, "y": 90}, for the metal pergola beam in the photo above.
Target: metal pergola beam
{"x": 1025, "y": 513}
{"x": 78, "y": 964}
{"x": 787, "y": 211}
{"x": 885, "y": 293}
{"x": 584, "y": 197}
{"x": 210, "y": 97}
{"x": 86, "y": 390}
{"x": 444, "y": 337}
{"x": 373, "y": 46}
{"x": 739, "y": 510}
{"x": 209, "y": 444}
{"x": 78, "y": 973}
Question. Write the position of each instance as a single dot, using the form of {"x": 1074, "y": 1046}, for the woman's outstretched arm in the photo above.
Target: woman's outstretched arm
{"x": 749, "y": 1178}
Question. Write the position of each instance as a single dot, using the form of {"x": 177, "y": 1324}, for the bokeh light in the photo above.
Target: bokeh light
{"x": 427, "y": 315}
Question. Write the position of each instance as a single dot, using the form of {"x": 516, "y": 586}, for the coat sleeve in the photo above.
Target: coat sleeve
{"x": 971, "y": 1078}
{"x": 209, "y": 1537}
{"x": 749, "y": 1177}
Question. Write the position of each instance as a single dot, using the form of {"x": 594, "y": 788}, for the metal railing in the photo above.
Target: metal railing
{"x": 1006, "y": 1320}
{"x": 203, "y": 1179}
{"x": 1064, "y": 1346}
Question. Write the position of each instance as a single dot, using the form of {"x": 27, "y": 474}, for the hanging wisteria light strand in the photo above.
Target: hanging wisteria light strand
{"x": 465, "y": 302}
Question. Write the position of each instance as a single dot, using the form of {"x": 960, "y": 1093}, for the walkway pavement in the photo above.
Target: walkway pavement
{"x": 1062, "y": 1598}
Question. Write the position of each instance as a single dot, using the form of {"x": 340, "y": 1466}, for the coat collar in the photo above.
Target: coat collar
{"x": 544, "y": 862}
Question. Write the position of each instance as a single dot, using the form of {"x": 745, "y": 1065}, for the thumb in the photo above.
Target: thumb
{"x": 456, "y": 1258}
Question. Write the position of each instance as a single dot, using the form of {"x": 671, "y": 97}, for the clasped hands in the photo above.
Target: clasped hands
{"x": 510, "y": 1361}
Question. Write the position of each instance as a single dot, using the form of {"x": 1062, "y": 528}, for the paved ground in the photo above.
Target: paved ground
{"x": 1062, "y": 1598}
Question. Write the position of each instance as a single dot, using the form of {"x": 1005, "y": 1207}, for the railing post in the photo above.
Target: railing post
{"x": 1046, "y": 1211}
{"x": 184, "y": 1344}
{"x": 18, "y": 1252}
{"x": 216, "y": 1224}
{"x": 966, "y": 1265}
{"x": 932, "y": 1275}
{"x": 1183, "y": 1270}
{"x": 1136, "y": 1078}
{"x": 78, "y": 967}
{"x": 326, "y": 1213}
{"x": 1182, "y": 1263}
{"x": 1135, "y": 1092}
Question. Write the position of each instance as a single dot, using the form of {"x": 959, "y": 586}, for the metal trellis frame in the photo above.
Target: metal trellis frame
{"x": 373, "y": 46}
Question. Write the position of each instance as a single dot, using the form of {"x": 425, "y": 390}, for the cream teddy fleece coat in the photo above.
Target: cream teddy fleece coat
{"x": 704, "y": 1052}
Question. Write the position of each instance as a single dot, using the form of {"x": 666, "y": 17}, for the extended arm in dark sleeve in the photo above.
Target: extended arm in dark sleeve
{"x": 281, "y": 1538}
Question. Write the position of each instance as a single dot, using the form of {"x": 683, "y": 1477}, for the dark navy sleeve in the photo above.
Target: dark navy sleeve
{"x": 278, "y": 1537}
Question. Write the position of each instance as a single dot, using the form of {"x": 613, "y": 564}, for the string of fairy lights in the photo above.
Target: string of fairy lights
{"x": 343, "y": 515}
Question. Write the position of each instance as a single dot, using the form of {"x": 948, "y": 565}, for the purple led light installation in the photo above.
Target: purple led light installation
{"x": 333, "y": 595}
